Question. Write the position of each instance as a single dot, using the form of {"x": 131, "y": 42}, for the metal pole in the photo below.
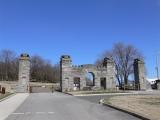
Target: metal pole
{"x": 157, "y": 66}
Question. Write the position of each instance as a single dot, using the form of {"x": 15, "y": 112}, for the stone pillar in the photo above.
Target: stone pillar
{"x": 139, "y": 74}
{"x": 110, "y": 77}
{"x": 158, "y": 84}
{"x": 65, "y": 73}
{"x": 24, "y": 74}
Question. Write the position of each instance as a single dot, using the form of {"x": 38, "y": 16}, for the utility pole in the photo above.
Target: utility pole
{"x": 157, "y": 64}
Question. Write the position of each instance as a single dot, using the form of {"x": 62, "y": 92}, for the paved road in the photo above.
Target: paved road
{"x": 58, "y": 106}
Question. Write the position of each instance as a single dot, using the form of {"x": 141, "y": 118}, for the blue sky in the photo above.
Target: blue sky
{"x": 80, "y": 28}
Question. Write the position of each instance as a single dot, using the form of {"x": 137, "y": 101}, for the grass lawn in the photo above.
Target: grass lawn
{"x": 4, "y": 95}
{"x": 145, "y": 105}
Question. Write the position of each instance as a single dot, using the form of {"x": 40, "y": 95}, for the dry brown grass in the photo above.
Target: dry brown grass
{"x": 146, "y": 105}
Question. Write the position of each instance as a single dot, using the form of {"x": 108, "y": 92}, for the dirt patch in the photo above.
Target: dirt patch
{"x": 146, "y": 105}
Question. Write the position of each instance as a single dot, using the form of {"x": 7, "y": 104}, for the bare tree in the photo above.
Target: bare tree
{"x": 37, "y": 64}
{"x": 56, "y": 68}
{"x": 123, "y": 56}
{"x": 43, "y": 71}
{"x": 8, "y": 65}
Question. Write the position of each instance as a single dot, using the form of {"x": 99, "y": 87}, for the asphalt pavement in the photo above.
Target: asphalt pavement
{"x": 59, "y": 106}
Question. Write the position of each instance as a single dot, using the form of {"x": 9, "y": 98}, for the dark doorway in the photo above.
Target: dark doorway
{"x": 76, "y": 83}
{"x": 103, "y": 83}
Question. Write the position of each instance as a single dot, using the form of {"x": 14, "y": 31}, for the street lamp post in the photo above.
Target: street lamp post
{"x": 157, "y": 65}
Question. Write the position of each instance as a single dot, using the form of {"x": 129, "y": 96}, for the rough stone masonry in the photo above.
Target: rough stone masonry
{"x": 24, "y": 74}
{"x": 139, "y": 75}
{"x": 74, "y": 77}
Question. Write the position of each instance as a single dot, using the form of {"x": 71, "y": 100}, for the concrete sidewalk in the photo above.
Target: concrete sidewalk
{"x": 11, "y": 104}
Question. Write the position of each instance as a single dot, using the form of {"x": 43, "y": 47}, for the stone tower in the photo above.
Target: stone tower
{"x": 110, "y": 65}
{"x": 139, "y": 74}
{"x": 65, "y": 72}
{"x": 24, "y": 73}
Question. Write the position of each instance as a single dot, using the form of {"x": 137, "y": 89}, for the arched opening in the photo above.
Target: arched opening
{"x": 90, "y": 79}
{"x": 76, "y": 83}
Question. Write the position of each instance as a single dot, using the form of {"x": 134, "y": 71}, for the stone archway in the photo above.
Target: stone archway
{"x": 96, "y": 72}
{"x": 90, "y": 79}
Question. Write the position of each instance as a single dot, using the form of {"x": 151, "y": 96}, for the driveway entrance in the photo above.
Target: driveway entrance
{"x": 42, "y": 89}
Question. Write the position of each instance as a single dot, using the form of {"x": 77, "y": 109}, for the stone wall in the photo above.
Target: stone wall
{"x": 9, "y": 85}
{"x": 72, "y": 76}
{"x": 70, "y": 72}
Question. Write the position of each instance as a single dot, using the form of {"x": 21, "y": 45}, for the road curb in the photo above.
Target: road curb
{"x": 104, "y": 94}
{"x": 125, "y": 110}
{"x": 68, "y": 93}
{"x": 7, "y": 97}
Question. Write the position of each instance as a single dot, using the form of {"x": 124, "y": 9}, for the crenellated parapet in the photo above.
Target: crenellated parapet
{"x": 71, "y": 74}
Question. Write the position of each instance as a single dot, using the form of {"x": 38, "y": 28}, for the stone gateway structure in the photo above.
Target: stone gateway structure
{"x": 24, "y": 74}
{"x": 74, "y": 77}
